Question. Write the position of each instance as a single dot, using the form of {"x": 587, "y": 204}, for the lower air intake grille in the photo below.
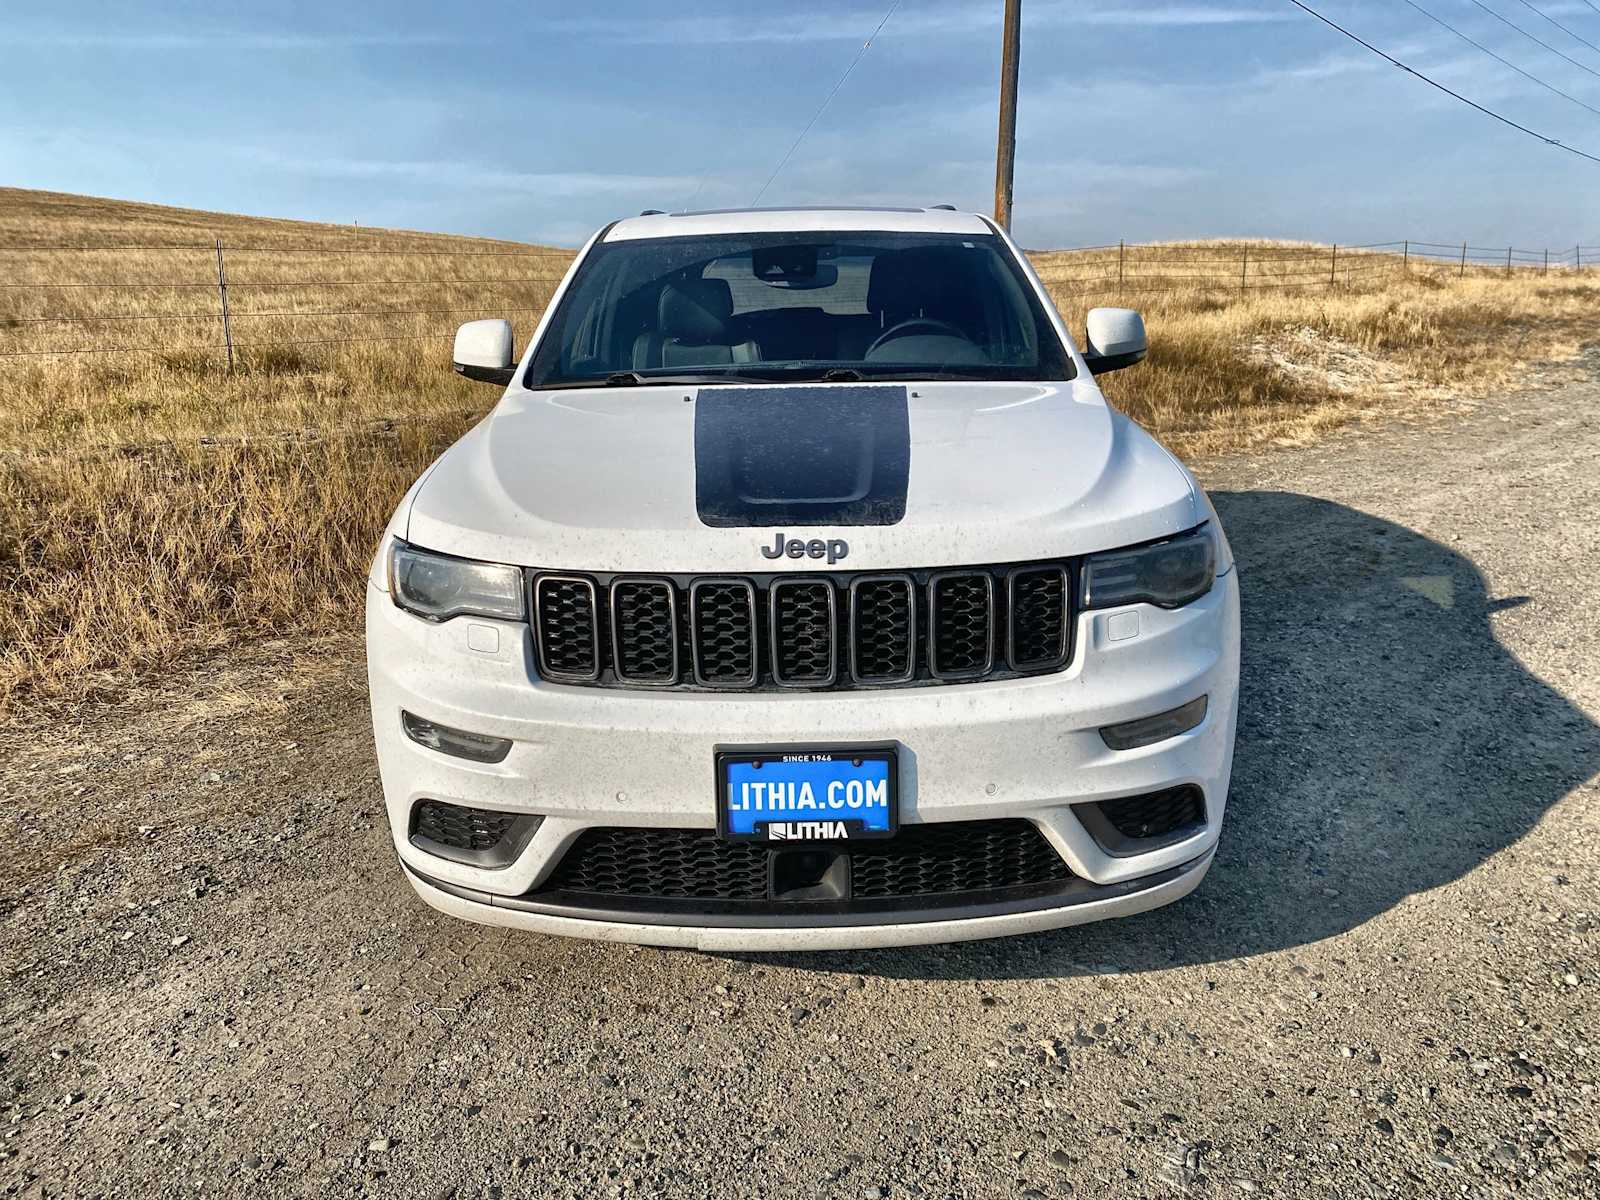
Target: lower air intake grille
{"x": 940, "y": 860}
{"x": 675, "y": 863}
{"x": 961, "y": 856}
{"x": 1155, "y": 814}
{"x": 460, "y": 828}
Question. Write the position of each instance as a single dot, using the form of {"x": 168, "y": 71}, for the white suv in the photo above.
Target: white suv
{"x": 802, "y": 590}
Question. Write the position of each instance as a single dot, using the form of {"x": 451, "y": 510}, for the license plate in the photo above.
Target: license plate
{"x": 807, "y": 795}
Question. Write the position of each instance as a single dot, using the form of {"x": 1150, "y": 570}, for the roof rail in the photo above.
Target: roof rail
{"x": 653, "y": 212}
{"x": 945, "y": 207}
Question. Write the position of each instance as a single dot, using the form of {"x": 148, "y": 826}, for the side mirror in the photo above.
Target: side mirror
{"x": 483, "y": 352}
{"x": 1116, "y": 339}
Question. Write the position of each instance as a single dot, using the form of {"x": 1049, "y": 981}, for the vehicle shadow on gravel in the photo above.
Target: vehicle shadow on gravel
{"x": 1388, "y": 744}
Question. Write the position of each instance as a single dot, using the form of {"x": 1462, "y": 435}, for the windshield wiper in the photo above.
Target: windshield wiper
{"x": 776, "y": 374}
{"x": 985, "y": 373}
{"x": 640, "y": 379}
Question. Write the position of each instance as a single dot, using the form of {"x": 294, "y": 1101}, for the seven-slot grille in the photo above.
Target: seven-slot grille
{"x": 816, "y": 631}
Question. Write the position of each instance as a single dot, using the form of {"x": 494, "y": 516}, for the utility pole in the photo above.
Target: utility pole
{"x": 1006, "y": 153}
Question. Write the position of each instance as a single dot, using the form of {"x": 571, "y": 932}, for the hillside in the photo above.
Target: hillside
{"x": 153, "y": 504}
{"x": 31, "y": 218}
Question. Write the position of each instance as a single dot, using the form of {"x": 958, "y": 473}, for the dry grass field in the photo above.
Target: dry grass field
{"x": 153, "y": 505}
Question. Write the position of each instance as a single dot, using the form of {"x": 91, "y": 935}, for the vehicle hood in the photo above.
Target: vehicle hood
{"x": 605, "y": 480}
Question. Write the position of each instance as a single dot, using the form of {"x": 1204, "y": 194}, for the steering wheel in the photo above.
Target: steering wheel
{"x": 917, "y": 325}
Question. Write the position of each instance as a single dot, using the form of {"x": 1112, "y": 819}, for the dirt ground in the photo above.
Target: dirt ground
{"x": 216, "y": 980}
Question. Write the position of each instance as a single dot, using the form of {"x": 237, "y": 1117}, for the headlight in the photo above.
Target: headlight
{"x": 438, "y": 587}
{"x": 1166, "y": 574}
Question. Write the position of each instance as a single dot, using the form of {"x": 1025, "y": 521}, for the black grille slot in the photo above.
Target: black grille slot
{"x": 1155, "y": 814}
{"x": 723, "y": 630}
{"x": 569, "y": 627}
{"x": 460, "y": 828}
{"x": 1037, "y": 628}
{"x": 961, "y": 617}
{"x": 883, "y": 625}
{"x": 669, "y": 863}
{"x": 804, "y": 648}
{"x": 644, "y": 631}
{"x": 952, "y": 859}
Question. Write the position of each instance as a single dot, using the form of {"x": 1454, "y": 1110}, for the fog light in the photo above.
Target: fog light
{"x": 1146, "y": 731}
{"x": 478, "y": 747}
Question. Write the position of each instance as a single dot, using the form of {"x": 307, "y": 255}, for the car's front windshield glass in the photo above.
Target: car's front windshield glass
{"x": 789, "y": 306}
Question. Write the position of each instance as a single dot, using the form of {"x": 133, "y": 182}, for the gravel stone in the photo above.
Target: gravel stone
{"x": 1418, "y": 733}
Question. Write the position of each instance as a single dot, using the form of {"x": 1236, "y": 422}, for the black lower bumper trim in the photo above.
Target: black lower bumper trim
{"x": 809, "y": 915}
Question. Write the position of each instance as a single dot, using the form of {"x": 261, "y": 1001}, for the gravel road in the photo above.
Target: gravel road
{"x": 216, "y": 981}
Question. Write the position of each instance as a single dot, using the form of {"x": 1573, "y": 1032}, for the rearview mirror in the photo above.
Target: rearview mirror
{"x": 1115, "y": 339}
{"x": 483, "y": 351}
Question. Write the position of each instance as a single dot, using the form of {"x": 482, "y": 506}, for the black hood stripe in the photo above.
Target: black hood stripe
{"x": 801, "y": 455}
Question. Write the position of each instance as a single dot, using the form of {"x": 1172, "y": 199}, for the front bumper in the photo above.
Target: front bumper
{"x": 1023, "y": 748}
{"x": 934, "y": 926}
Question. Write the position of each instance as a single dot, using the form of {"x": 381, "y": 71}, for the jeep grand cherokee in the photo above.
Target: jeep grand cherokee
{"x": 802, "y": 590}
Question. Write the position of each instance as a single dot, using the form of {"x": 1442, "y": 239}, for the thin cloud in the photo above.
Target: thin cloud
{"x": 1199, "y": 14}
{"x": 214, "y": 39}
{"x": 696, "y": 29}
{"x": 425, "y": 175}
{"x": 442, "y": 173}
{"x": 932, "y": 22}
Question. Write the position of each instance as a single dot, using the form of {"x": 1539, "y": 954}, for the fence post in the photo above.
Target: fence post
{"x": 1577, "y": 256}
{"x": 222, "y": 291}
{"x": 1244, "y": 269}
{"x": 1508, "y": 260}
{"x": 1463, "y": 260}
{"x": 1122, "y": 251}
{"x": 1333, "y": 267}
{"x": 1405, "y": 256}
{"x": 1546, "y": 270}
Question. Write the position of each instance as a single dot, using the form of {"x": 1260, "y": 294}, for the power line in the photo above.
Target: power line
{"x": 1536, "y": 41}
{"x": 826, "y": 100}
{"x": 1488, "y": 112}
{"x": 1504, "y": 62}
{"x": 1576, "y": 37}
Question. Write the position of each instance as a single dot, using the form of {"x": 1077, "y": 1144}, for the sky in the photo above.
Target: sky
{"x": 1137, "y": 119}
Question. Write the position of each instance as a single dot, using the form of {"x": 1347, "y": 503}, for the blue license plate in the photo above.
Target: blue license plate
{"x": 807, "y": 795}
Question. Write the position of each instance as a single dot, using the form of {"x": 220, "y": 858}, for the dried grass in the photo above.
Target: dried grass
{"x": 152, "y": 506}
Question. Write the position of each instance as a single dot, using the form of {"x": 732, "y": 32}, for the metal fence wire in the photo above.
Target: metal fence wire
{"x": 59, "y": 299}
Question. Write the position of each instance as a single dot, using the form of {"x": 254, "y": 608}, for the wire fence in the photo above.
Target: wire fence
{"x": 257, "y": 302}
{"x": 253, "y": 303}
{"x": 1246, "y": 267}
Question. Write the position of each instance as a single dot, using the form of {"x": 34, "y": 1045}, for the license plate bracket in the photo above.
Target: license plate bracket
{"x": 808, "y": 793}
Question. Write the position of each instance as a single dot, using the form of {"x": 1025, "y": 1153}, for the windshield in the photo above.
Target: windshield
{"x": 787, "y": 306}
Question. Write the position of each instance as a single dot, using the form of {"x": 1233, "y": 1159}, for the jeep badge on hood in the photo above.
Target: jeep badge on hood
{"x": 834, "y": 549}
